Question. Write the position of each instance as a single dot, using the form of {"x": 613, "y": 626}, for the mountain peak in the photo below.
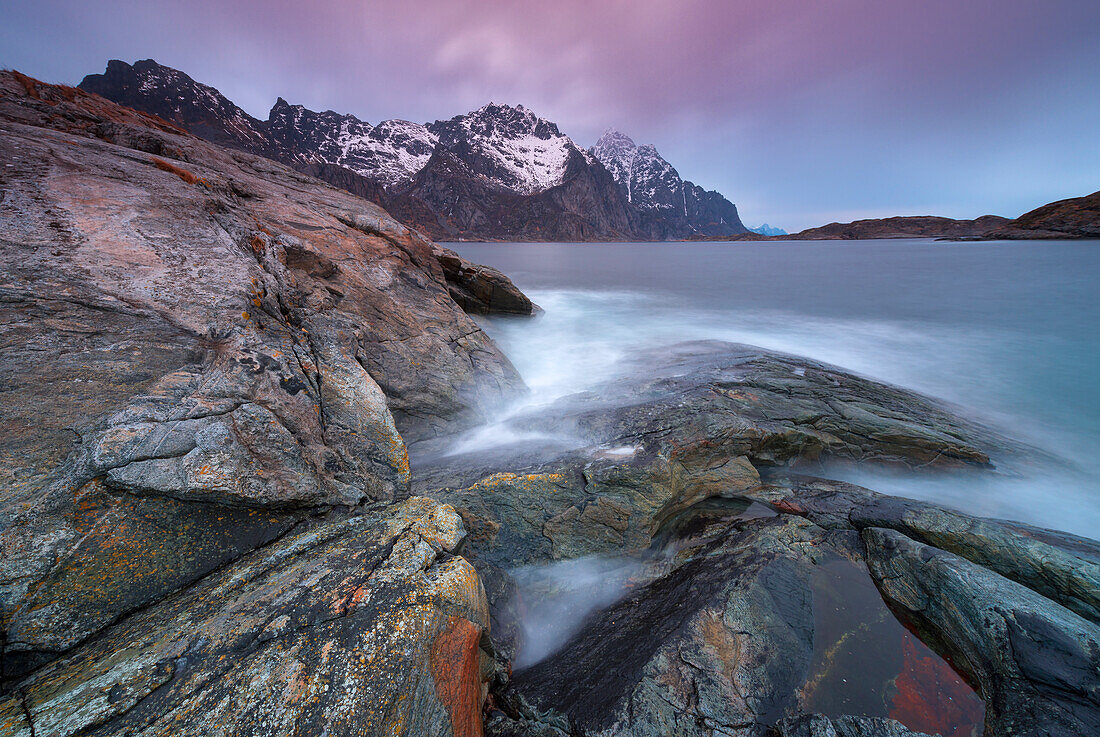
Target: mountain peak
{"x": 616, "y": 151}
{"x": 653, "y": 185}
{"x": 612, "y": 136}
{"x": 174, "y": 96}
{"x": 508, "y": 121}
{"x": 511, "y": 146}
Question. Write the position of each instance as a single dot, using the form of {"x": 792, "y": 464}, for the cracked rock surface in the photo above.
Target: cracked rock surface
{"x": 360, "y": 626}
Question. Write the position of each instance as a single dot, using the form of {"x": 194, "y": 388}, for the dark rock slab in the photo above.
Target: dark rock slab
{"x": 720, "y": 643}
{"x": 480, "y": 289}
{"x": 1061, "y": 567}
{"x": 1037, "y": 663}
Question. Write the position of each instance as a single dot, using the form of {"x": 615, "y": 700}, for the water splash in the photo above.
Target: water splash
{"x": 556, "y": 598}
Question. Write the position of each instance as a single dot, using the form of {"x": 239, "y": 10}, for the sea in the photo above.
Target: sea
{"x": 1008, "y": 332}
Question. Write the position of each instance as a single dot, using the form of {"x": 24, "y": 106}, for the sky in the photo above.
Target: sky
{"x": 801, "y": 112}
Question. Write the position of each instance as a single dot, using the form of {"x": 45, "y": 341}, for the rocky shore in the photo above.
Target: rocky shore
{"x": 233, "y": 503}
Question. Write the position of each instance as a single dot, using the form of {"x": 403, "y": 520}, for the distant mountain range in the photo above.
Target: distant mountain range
{"x": 497, "y": 173}
{"x": 1074, "y": 218}
{"x": 766, "y": 229}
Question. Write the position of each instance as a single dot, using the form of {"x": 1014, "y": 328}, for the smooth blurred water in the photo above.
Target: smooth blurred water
{"x": 1009, "y": 331}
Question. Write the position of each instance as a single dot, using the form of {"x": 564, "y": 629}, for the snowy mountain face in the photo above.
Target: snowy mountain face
{"x": 616, "y": 151}
{"x": 651, "y": 182}
{"x": 389, "y": 153}
{"x": 653, "y": 185}
{"x": 766, "y": 229}
{"x": 512, "y": 147}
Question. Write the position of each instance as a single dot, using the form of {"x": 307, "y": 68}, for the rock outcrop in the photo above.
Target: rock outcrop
{"x": 481, "y": 289}
{"x": 1037, "y": 663}
{"x": 204, "y": 351}
{"x": 753, "y": 590}
{"x": 359, "y": 626}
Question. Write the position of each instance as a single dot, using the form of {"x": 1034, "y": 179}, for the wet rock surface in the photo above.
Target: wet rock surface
{"x": 816, "y": 725}
{"x": 1037, "y": 663}
{"x": 738, "y": 620}
{"x": 686, "y": 424}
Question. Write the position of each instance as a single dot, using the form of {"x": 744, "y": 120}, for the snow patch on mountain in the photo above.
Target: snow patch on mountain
{"x": 616, "y": 151}
{"x": 651, "y": 182}
{"x": 391, "y": 152}
{"x": 511, "y": 147}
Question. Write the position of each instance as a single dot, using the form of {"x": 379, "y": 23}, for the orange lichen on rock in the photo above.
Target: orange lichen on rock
{"x": 524, "y": 481}
{"x": 455, "y": 667}
{"x": 932, "y": 698}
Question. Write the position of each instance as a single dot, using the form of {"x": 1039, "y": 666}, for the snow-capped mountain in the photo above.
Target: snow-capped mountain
{"x": 766, "y": 229}
{"x": 389, "y": 153}
{"x": 653, "y": 185}
{"x": 651, "y": 182}
{"x": 499, "y": 172}
{"x": 511, "y": 146}
{"x": 616, "y": 151}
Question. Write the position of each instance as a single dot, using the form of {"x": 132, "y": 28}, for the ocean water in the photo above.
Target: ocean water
{"x": 1009, "y": 332}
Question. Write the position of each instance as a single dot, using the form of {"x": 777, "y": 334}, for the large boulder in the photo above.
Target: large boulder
{"x": 201, "y": 349}
{"x": 1038, "y": 664}
{"x": 481, "y": 289}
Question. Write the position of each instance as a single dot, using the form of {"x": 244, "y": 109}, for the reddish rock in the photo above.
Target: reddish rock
{"x": 933, "y": 698}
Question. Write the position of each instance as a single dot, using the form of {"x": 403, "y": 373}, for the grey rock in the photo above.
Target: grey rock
{"x": 817, "y": 725}
{"x": 1061, "y": 567}
{"x": 1038, "y": 663}
{"x": 364, "y": 625}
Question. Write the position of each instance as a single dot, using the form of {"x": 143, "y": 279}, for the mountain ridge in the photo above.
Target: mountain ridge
{"x": 496, "y": 173}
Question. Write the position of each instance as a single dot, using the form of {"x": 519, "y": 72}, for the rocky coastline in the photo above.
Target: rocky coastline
{"x": 233, "y": 505}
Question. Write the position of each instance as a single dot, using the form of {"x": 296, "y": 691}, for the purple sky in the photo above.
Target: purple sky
{"x": 800, "y": 112}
